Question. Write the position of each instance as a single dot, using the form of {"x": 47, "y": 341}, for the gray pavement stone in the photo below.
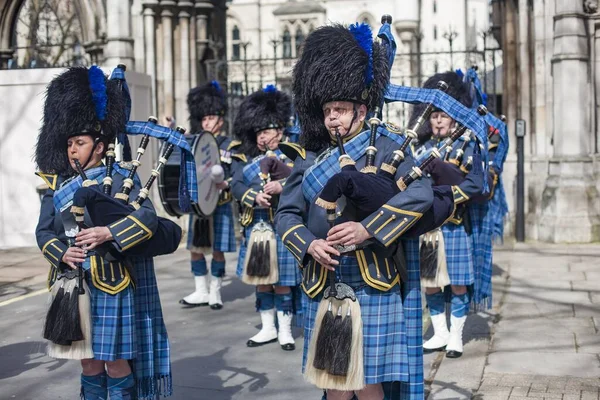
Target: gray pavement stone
{"x": 552, "y": 364}
{"x": 533, "y": 310}
{"x": 584, "y": 266}
{"x": 587, "y": 310}
{"x": 586, "y": 285}
{"x": 510, "y": 341}
{"x": 593, "y": 276}
{"x": 467, "y": 369}
{"x": 589, "y": 395}
{"x": 572, "y": 396}
{"x": 559, "y": 325}
{"x": 450, "y": 393}
{"x": 548, "y": 296}
{"x": 519, "y": 391}
{"x": 588, "y": 343}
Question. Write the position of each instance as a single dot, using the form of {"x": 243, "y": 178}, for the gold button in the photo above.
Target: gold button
{"x": 381, "y": 212}
{"x": 393, "y": 217}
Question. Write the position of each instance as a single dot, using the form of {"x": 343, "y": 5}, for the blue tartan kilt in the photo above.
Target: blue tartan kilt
{"x": 481, "y": 240}
{"x": 289, "y": 272}
{"x": 223, "y": 231}
{"x": 385, "y": 343}
{"x": 459, "y": 254}
{"x": 113, "y": 323}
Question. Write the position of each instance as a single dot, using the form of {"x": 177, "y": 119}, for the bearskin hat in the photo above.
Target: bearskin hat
{"x": 457, "y": 88}
{"x": 265, "y": 109}
{"x": 337, "y": 63}
{"x": 80, "y": 100}
{"x": 207, "y": 99}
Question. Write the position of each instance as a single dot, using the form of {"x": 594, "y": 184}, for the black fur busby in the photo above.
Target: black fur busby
{"x": 457, "y": 88}
{"x": 264, "y": 109}
{"x": 337, "y": 63}
{"x": 80, "y": 100}
{"x": 207, "y": 99}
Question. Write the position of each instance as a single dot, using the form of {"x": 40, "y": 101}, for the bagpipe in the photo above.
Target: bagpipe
{"x": 104, "y": 210}
{"x": 260, "y": 264}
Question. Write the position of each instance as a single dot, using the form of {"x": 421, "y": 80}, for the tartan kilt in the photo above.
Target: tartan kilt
{"x": 482, "y": 221}
{"x": 113, "y": 323}
{"x": 223, "y": 236}
{"x": 384, "y": 329}
{"x": 289, "y": 272}
{"x": 459, "y": 254}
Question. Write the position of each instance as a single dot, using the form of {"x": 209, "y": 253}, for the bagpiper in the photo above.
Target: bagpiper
{"x": 130, "y": 352}
{"x": 456, "y": 234}
{"x": 340, "y": 78}
{"x": 208, "y": 106}
{"x": 257, "y": 183}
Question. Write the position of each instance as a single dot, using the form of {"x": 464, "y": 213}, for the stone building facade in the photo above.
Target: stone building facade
{"x": 552, "y": 81}
{"x": 177, "y": 42}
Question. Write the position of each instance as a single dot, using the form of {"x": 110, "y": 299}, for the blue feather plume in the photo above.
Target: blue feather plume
{"x": 363, "y": 35}
{"x": 270, "y": 89}
{"x": 216, "y": 85}
{"x": 98, "y": 87}
{"x": 459, "y": 73}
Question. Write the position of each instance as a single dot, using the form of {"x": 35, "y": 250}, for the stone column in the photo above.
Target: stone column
{"x": 183, "y": 64}
{"x": 570, "y": 198}
{"x": 150, "y": 45}
{"x": 193, "y": 54}
{"x": 169, "y": 89}
{"x": 203, "y": 11}
{"x": 119, "y": 46}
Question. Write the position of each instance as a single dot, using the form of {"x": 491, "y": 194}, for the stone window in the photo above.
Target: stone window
{"x": 299, "y": 40}
{"x": 287, "y": 43}
{"x": 435, "y": 32}
{"x": 235, "y": 43}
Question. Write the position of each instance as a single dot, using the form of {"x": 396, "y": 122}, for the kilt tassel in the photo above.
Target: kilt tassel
{"x": 152, "y": 387}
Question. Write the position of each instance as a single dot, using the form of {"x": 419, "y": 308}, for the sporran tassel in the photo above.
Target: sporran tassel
{"x": 343, "y": 348}
{"x": 428, "y": 256}
{"x": 260, "y": 264}
{"x": 335, "y": 353}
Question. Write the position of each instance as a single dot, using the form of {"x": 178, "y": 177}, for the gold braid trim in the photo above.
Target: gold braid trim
{"x": 77, "y": 210}
{"x": 328, "y": 205}
{"x": 388, "y": 168}
{"x": 369, "y": 170}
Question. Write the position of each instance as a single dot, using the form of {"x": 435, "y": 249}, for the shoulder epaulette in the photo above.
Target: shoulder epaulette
{"x": 393, "y": 128}
{"x": 50, "y": 179}
{"x": 292, "y": 150}
{"x": 240, "y": 156}
{"x": 233, "y": 144}
{"x": 126, "y": 165}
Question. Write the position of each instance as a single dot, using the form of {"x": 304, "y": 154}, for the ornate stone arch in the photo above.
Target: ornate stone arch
{"x": 366, "y": 16}
{"x": 92, "y": 18}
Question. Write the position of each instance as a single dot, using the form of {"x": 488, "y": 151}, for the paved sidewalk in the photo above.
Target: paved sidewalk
{"x": 542, "y": 337}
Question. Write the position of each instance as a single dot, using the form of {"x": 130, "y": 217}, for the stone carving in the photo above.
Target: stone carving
{"x": 590, "y": 6}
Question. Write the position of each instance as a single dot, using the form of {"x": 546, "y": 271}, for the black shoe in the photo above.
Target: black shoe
{"x": 429, "y": 351}
{"x": 216, "y": 306}
{"x": 453, "y": 354}
{"x": 288, "y": 347}
{"x": 252, "y": 343}
{"x": 191, "y": 305}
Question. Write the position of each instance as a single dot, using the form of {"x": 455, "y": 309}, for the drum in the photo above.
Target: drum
{"x": 206, "y": 153}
